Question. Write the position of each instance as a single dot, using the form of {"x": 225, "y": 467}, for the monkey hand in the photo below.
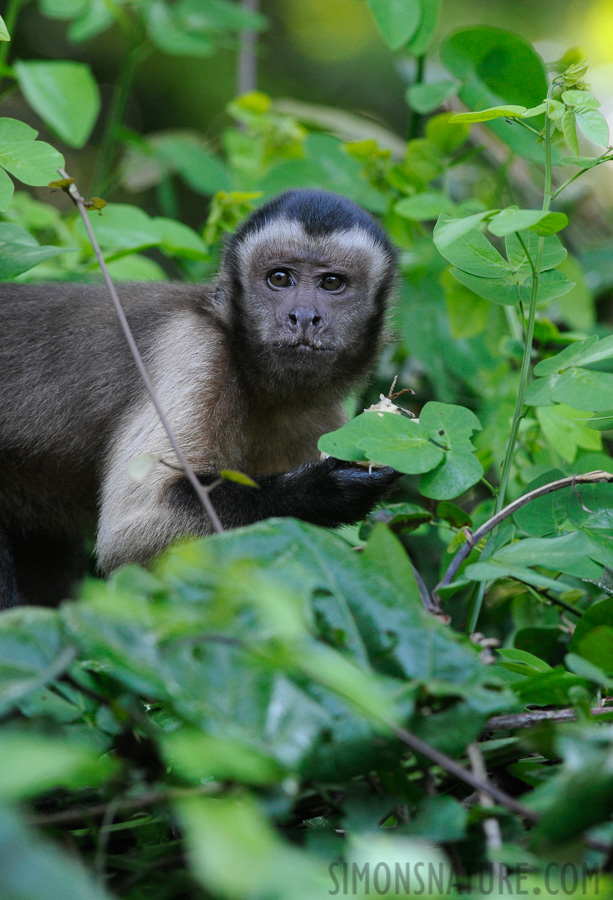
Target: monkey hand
{"x": 333, "y": 492}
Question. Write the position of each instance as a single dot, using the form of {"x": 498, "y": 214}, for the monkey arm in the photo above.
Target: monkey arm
{"x": 329, "y": 492}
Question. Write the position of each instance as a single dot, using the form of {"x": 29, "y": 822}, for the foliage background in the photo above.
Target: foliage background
{"x": 268, "y": 711}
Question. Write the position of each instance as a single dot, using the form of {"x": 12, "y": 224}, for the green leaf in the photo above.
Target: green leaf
{"x": 421, "y": 40}
{"x": 594, "y": 126}
{"x": 603, "y": 422}
{"x": 513, "y": 219}
{"x": 33, "y": 162}
{"x": 64, "y": 94}
{"x": 580, "y": 99}
{"x": 454, "y": 475}
{"x": 384, "y": 438}
{"x": 4, "y": 34}
{"x": 545, "y": 515}
{"x": 569, "y": 129}
{"x": 496, "y": 68}
{"x": 564, "y": 429}
{"x": 179, "y": 240}
{"x": 20, "y": 252}
{"x": 449, "y": 229}
{"x": 33, "y": 763}
{"x": 473, "y": 253}
{"x": 170, "y": 35}
{"x": 503, "y": 291}
{"x": 584, "y": 389}
{"x": 35, "y": 869}
{"x": 425, "y": 206}
{"x": 486, "y": 115}
{"x": 425, "y": 98}
{"x": 553, "y": 251}
{"x": 397, "y": 20}
{"x": 493, "y": 570}
{"x": 6, "y": 190}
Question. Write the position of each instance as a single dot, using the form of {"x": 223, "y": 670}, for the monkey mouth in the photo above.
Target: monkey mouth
{"x": 302, "y": 347}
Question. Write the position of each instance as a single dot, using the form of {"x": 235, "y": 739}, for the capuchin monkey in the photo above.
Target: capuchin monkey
{"x": 250, "y": 371}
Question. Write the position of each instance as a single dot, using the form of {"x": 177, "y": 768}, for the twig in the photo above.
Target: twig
{"x": 84, "y": 814}
{"x": 454, "y": 768}
{"x": 189, "y": 473}
{"x": 483, "y": 786}
{"x": 491, "y": 826}
{"x": 247, "y": 57}
{"x": 534, "y": 716}
{"x": 597, "y": 477}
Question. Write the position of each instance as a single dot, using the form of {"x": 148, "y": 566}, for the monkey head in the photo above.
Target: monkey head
{"x": 306, "y": 283}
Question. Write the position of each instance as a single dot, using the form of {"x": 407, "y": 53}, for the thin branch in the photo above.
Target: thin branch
{"x": 189, "y": 473}
{"x": 462, "y": 774}
{"x": 83, "y": 816}
{"x": 535, "y": 716}
{"x": 597, "y": 477}
{"x": 491, "y": 826}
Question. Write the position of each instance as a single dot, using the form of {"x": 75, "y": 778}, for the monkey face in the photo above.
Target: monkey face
{"x": 312, "y": 305}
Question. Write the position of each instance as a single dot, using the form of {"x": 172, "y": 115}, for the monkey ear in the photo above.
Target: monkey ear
{"x": 221, "y": 300}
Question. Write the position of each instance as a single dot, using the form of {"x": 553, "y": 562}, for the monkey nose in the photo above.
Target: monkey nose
{"x": 304, "y": 319}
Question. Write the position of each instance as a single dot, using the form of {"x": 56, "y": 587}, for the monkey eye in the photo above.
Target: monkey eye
{"x": 279, "y": 278}
{"x": 332, "y": 282}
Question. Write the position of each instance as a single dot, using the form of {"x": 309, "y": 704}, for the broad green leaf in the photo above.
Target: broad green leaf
{"x": 425, "y": 98}
{"x": 197, "y": 757}
{"x": 553, "y": 251}
{"x": 449, "y": 424}
{"x": 425, "y": 206}
{"x": 486, "y": 115}
{"x": 569, "y": 553}
{"x": 498, "y": 67}
{"x": 545, "y": 515}
{"x": 6, "y": 190}
{"x": 33, "y": 162}
{"x": 63, "y": 9}
{"x": 572, "y": 355}
{"x": 494, "y": 569}
{"x": 96, "y": 17}
{"x": 584, "y": 389}
{"x": 4, "y": 34}
{"x": 513, "y": 219}
{"x": 549, "y": 688}
{"x": 597, "y": 647}
{"x": 20, "y": 252}
{"x": 171, "y": 35}
{"x": 426, "y": 29}
{"x": 467, "y": 313}
{"x": 384, "y": 438}
{"x": 15, "y": 130}
{"x": 594, "y": 126}
{"x": 565, "y": 430}
{"x": 64, "y": 94}
{"x": 503, "y": 291}
{"x": 594, "y": 617}
{"x": 397, "y": 20}
{"x": 33, "y": 763}
{"x": 459, "y": 471}
{"x": 449, "y": 229}
{"x": 552, "y": 284}
{"x": 179, "y": 240}
{"x": 580, "y": 99}
{"x": 569, "y": 129}
{"x": 122, "y": 227}
{"x": 220, "y": 15}
{"x": 33, "y": 868}
{"x": 602, "y": 422}
{"x": 185, "y": 153}
{"x": 473, "y": 253}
